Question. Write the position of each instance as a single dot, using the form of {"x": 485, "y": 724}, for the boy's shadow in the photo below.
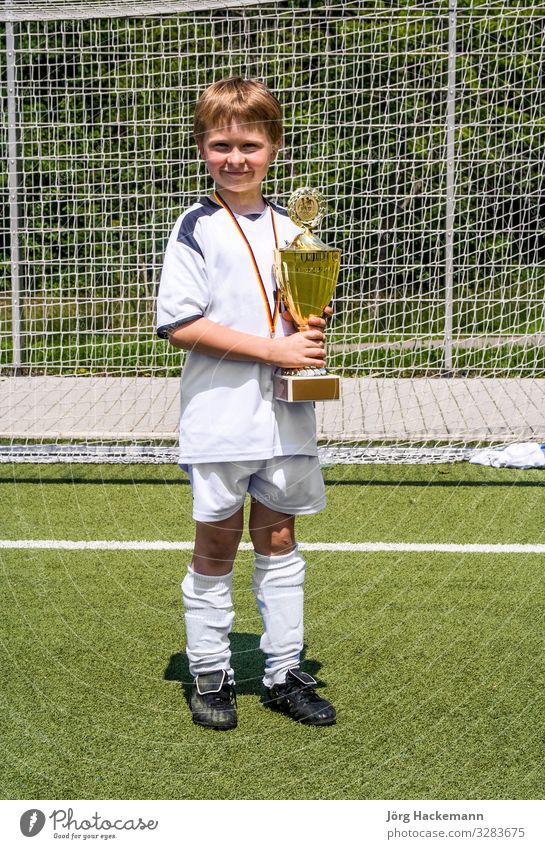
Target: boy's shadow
{"x": 248, "y": 662}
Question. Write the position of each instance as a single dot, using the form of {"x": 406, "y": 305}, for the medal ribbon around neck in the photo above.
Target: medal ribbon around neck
{"x": 272, "y": 315}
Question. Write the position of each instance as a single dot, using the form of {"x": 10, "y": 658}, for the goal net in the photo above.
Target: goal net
{"x": 421, "y": 122}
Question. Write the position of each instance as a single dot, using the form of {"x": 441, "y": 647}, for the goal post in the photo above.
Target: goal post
{"x": 421, "y": 122}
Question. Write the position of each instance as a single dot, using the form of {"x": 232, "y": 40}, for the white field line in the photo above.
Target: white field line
{"x": 167, "y": 545}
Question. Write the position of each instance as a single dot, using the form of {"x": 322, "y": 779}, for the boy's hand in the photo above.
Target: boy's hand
{"x": 305, "y": 349}
{"x": 314, "y": 320}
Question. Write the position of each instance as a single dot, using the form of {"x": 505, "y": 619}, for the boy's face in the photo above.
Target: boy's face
{"x": 238, "y": 157}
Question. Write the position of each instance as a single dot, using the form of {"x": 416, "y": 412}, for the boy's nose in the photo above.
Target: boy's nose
{"x": 236, "y": 157}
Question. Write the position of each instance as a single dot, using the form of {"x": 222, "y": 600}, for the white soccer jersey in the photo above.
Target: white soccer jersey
{"x": 228, "y": 411}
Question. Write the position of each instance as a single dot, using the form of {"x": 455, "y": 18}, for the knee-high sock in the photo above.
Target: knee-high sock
{"x": 208, "y": 618}
{"x": 278, "y": 587}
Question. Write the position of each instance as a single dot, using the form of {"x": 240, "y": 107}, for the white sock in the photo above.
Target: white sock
{"x": 278, "y": 587}
{"x": 209, "y": 618}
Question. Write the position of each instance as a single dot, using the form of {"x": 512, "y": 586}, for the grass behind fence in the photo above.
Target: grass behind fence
{"x": 120, "y": 340}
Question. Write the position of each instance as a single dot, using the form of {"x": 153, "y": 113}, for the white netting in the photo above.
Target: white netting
{"x": 31, "y": 10}
{"x": 103, "y": 95}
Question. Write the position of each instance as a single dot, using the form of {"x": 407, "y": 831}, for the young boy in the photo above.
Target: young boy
{"x": 219, "y": 300}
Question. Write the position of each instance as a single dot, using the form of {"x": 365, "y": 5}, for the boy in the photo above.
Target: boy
{"x": 218, "y": 299}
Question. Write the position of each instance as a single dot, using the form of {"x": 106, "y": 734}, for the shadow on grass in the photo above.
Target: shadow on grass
{"x": 121, "y": 481}
{"x": 248, "y": 663}
{"x": 438, "y": 483}
{"x": 362, "y": 481}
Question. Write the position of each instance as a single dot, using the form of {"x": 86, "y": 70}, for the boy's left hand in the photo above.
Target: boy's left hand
{"x": 314, "y": 320}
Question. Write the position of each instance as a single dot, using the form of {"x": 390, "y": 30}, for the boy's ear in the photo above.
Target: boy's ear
{"x": 275, "y": 148}
{"x": 200, "y": 147}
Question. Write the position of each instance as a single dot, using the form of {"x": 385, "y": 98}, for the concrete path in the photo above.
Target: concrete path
{"x": 371, "y": 409}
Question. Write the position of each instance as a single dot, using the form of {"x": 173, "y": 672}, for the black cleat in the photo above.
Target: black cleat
{"x": 213, "y": 701}
{"x": 298, "y": 698}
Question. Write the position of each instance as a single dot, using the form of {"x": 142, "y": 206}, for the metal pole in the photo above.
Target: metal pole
{"x": 13, "y": 199}
{"x": 449, "y": 211}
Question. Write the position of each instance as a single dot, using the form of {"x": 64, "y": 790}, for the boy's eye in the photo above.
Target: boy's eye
{"x": 224, "y": 147}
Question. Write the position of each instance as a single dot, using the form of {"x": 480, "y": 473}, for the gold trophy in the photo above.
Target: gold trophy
{"x": 306, "y": 272}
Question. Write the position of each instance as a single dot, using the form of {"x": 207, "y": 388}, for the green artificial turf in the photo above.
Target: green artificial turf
{"x": 433, "y": 661}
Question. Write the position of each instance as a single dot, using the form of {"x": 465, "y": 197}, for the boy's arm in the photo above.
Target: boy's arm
{"x": 304, "y": 349}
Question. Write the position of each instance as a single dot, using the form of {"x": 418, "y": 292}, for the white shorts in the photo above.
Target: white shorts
{"x": 292, "y": 485}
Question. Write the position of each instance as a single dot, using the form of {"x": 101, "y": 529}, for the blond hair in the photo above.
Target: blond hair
{"x": 236, "y": 100}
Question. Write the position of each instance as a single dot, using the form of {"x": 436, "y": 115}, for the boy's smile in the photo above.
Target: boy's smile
{"x": 238, "y": 158}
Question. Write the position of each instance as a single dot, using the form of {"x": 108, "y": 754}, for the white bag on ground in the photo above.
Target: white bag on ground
{"x": 519, "y": 455}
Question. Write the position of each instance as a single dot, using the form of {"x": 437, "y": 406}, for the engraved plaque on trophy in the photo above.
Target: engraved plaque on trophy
{"x": 306, "y": 272}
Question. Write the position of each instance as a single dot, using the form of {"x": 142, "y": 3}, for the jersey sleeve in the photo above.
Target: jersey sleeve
{"x": 183, "y": 290}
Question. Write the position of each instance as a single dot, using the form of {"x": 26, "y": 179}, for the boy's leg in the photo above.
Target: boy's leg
{"x": 278, "y": 582}
{"x": 209, "y": 616}
{"x": 206, "y": 592}
{"x": 218, "y": 491}
{"x": 216, "y": 544}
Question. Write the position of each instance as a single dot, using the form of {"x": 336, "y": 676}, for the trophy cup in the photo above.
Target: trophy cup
{"x": 306, "y": 272}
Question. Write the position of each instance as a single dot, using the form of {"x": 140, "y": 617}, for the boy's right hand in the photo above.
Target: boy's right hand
{"x": 303, "y": 349}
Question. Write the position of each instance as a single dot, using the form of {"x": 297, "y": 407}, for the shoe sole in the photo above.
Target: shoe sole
{"x": 322, "y": 722}
{"x": 215, "y": 727}
{"x": 305, "y": 721}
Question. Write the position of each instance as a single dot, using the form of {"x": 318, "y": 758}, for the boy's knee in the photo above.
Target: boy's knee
{"x": 220, "y": 543}
{"x": 216, "y": 547}
{"x": 282, "y": 541}
{"x": 273, "y": 541}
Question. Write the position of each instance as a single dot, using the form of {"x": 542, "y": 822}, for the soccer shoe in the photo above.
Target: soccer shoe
{"x": 298, "y": 698}
{"x": 213, "y": 701}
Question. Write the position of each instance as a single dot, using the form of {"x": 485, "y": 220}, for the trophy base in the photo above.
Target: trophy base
{"x": 324, "y": 387}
